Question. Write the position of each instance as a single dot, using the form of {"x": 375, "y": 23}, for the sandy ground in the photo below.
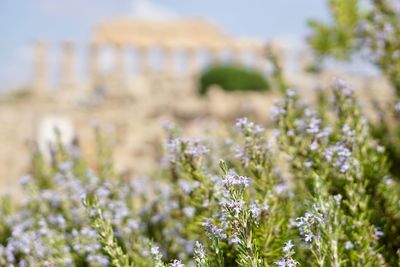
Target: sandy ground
{"x": 133, "y": 120}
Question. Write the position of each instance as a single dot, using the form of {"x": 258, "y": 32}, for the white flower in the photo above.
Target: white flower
{"x": 195, "y": 148}
{"x": 276, "y": 112}
{"x": 24, "y": 180}
{"x": 288, "y": 246}
{"x": 246, "y": 126}
{"x": 314, "y": 145}
{"x": 338, "y": 198}
{"x": 232, "y": 179}
{"x": 309, "y": 112}
{"x": 378, "y": 232}
{"x": 178, "y": 147}
{"x": 300, "y": 124}
{"x": 286, "y": 260}
{"x": 286, "y": 263}
{"x": 348, "y": 245}
{"x": 314, "y": 126}
{"x": 155, "y": 250}
{"x": 213, "y": 230}
{"x": 308, "y": 164}
{"x": 65, "y": 166}
{"x": 233, "y": 205}
{"x": 380, "y": 149}
{"x": 290, "y": 92}
{"x": 186, "y": 186}
{"x": 200, "y": 254}
{"x": 255, "y": 211}
{"x": 340, "y": 156}
{"x": 308, "y": 237}
{"x": 234, "y": 240}
{"x": 242, "y": 122}
{"x": 176, "y": 263}
{"x": 343, "y": 87}
{"x": 189, "y": 211}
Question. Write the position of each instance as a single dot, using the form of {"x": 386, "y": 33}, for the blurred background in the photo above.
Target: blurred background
{"x": 127, "y": 67}
{"x": 22, "y": 23}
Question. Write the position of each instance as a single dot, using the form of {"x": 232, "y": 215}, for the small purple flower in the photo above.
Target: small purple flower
{"x": 232, "y": 179}
{"x": 288, "y": 246}
{"x": 342, "y": 86}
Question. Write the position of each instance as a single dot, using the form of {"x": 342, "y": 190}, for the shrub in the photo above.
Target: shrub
{"x": 361, "y": 28}
{"x": 317, "y": 192}
{"x": 232, "y": 78}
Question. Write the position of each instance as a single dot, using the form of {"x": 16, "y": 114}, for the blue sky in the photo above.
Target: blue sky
{"x": 23, "y": 21}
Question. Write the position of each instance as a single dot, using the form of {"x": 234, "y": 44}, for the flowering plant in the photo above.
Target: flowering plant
{"x": 313, "y": 189}
{"x": 369, "y": 28}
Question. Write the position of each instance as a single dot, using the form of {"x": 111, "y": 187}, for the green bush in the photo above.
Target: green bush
{"x": 232, "y": 78}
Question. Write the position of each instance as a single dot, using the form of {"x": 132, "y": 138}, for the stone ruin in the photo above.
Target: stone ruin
{"x": 193, "y": 40}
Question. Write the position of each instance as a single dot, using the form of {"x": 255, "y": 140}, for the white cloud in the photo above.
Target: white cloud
{"x": 146, "y": 9}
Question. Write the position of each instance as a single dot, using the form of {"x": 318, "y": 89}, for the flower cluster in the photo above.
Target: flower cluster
{"x": 340, "y": 157}
{"x": 181, "y": 148}
{"x": 232, "y": 180}
{"x": 326, "y": 171}
{"x": 308, "y": 223}
{"x": 287, "y": 259}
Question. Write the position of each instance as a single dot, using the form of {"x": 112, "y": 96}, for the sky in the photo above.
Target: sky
{"x": 24, "y": 21}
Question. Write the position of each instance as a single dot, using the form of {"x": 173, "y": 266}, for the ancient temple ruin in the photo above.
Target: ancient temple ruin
{"x": 195, "y": 42}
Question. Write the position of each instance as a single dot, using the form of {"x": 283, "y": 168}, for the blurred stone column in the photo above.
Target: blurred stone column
{"x": 169, "y": 61}
{"x": 214, "y": 53}
{"x": 94, "y": 64}
{"x": 237, "y": 57}
{"x": 68, "y": 65}
{"x": 119, "y": 67}
{"x": 192, "y": 61}
{"x": 143, "y": 59}
{"x": 260, "y": 53}
{"x": 41, "y": 67}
